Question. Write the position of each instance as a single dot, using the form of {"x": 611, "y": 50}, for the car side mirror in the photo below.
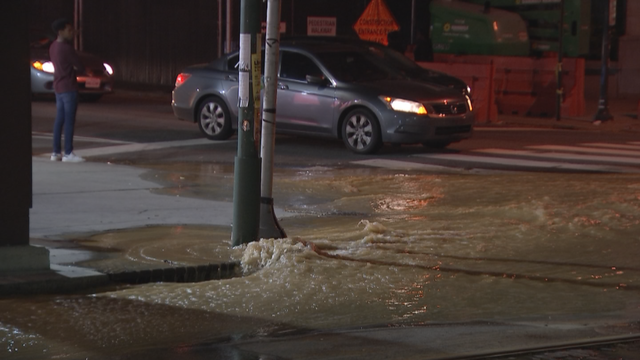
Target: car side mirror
{"x": 316, "y": 80}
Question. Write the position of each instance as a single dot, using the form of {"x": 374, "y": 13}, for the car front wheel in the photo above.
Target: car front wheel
{"x": 361, "y": 132}
{"x": 214, "y": 119}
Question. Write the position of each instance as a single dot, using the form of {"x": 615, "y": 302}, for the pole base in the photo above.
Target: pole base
{"x": 603, "y": 115}
{"x": 269, "y": 227}
{"x": 246, "y": 200}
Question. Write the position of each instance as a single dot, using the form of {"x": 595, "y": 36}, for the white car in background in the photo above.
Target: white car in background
{"x": 96, "y": 81}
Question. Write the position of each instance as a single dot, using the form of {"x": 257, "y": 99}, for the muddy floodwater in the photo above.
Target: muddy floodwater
{"x": 365, "y": 248}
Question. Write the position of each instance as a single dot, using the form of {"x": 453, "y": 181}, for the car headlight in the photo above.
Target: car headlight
{"x": 46, "y": 66}
{"x": 468, "y": 90}
{"x": 404, "y": 105}
{"x": 469, "y": 102}
{"x": 108, "y": 68}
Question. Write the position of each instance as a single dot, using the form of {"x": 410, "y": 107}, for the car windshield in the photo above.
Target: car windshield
{"x": 353, "y": 66}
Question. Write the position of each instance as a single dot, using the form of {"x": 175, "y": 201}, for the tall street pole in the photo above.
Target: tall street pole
{"x": 559, "y": 89}
{"x": 219, "y": 28}
{"x": 603, "y": 113}
{"x": 77, "y": 23}
{"x": 246, "y": 185}
{"x": 269, "y": 227}
{"x": 227, "y": 47}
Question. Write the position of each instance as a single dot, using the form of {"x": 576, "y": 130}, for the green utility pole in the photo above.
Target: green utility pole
{"x": 246, "y": 186}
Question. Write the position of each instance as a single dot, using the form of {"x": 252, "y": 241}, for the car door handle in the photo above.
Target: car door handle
{"x": 232, "y": 78}
{"x": 283, "y": 86}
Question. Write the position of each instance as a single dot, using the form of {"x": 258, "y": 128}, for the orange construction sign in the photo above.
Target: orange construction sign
{"x": 376, "y": 22}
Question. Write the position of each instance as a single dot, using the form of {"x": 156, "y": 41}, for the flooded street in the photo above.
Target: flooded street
{"x": 365, "y": 248}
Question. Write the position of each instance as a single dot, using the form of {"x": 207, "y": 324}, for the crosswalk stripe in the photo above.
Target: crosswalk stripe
{"x": 614, "y": 146}
{"x": 563, "y": 156}
{"x": 110, "y": 150}
{"x": 585, "y": 150}
{"x": 42, "y": 135}
{"x": 526, "y": 163}
{"x": 403, "y": 165}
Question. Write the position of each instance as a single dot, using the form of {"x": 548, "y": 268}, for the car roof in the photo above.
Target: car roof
{"x": 316, "y": 46}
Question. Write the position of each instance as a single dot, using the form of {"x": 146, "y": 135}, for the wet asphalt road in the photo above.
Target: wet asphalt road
{"x": 136, "y": 117}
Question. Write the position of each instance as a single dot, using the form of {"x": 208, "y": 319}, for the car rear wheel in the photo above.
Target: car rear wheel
{"x": 361, "y": 132}
{"x": 214, "y": 119}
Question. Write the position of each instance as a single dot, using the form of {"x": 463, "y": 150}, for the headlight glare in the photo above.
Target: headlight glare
{"x": 404, "y": 105}
{"x": 108, "y": 68}
{"x": 46, "y": 66}
{"x": 469, "y": 102}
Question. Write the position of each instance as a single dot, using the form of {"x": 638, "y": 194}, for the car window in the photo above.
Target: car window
{"x": 297, "y": 66}
{"x": 355, "y": 66}
{"x": 232, "y": 62}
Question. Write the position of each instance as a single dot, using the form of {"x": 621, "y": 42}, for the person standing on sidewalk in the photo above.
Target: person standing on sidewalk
{"x": 65, "y": 63}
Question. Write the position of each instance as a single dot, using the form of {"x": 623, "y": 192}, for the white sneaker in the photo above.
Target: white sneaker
{"x": 72, "y": 158}
{"x": 56, "y": 157}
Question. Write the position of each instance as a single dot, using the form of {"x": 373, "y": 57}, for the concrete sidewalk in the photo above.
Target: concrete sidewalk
{"x": 88, "y": 198}
{"x": 624, "y": 112}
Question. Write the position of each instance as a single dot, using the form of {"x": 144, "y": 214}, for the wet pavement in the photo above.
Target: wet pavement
{"x": 379, "y": 264}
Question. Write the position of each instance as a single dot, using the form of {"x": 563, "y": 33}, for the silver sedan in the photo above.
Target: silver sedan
{"x": 334, "y": 90}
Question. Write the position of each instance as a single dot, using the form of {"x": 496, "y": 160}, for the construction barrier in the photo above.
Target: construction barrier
{"x": 516, "y": 85}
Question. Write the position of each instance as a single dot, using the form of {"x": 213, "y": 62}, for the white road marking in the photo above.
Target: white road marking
{"x": 585, "y": 150}
{"x": 110, "y": 150}
{"x": 121, "y": 147}
{"x": 403, "y": 165}
{"x": 615, "y": 146}
{"x": 563, "y": 156}
{"x": 525, "y": 163}
{"x": 516, "y": 129}
{"x": 41, "y": 135}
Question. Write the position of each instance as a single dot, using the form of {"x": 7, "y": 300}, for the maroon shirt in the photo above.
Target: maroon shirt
{"x": 65, "y": 62}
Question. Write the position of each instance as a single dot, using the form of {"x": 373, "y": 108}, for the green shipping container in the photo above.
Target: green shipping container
{"x": 464, "y": 28}
{"x": 542, "y": 18}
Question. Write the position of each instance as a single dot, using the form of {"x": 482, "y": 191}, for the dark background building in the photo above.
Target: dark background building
{"x": 150, "y": 41}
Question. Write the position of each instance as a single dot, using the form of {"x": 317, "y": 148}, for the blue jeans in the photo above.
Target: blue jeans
{"x": 66, "y": 107}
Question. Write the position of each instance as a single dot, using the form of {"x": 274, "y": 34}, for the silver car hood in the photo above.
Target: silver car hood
{"x": 409, "y": 90}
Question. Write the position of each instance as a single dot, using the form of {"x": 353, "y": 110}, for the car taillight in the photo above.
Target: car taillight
{"x": 182, "y": 78}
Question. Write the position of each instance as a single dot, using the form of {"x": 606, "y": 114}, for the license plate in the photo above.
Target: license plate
{"x": 92, "y": 83}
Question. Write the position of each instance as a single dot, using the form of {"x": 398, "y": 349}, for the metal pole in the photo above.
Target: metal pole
{"x": 246, "y": 186}
{"x": 77, "y": 24}
{"x": 603, "y": 113}
{"x": 227, "y": 48}
{"x": 413, "y": 20}
{"x": 560, "y": 89}
{"x": 293, "y": 33}
{"x": 219, "y": 28}
{"x": 269, "y": 227}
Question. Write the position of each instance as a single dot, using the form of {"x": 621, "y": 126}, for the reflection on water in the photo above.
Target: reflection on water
{"x": 366, "y": 248}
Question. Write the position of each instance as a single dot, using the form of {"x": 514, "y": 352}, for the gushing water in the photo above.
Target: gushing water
{"x": 364, "y": 249}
